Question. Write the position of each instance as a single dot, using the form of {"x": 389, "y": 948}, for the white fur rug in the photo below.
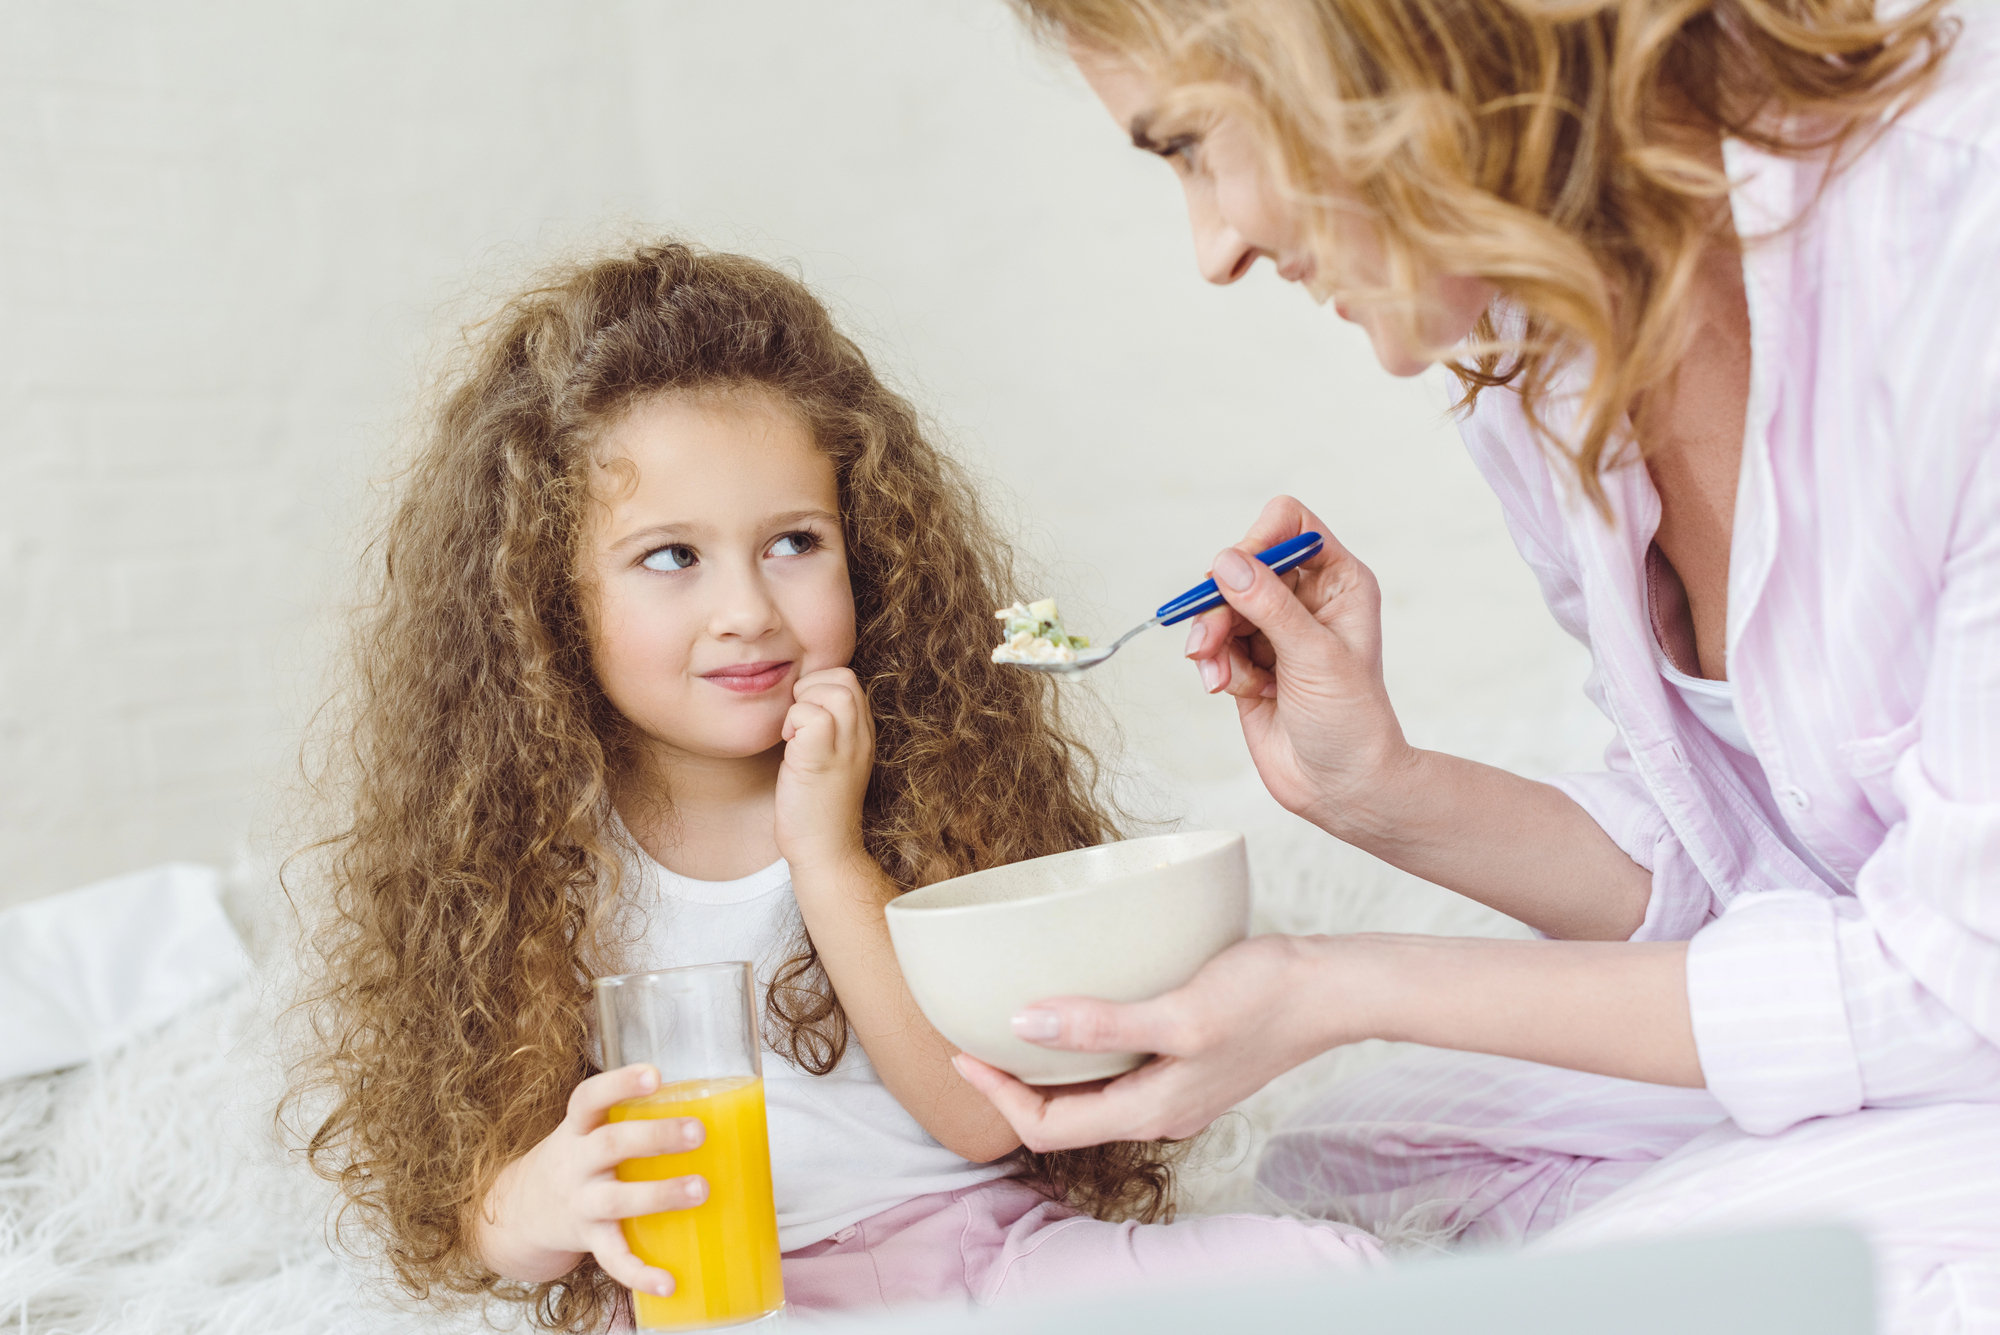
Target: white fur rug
{"x": 145, "y": 1193}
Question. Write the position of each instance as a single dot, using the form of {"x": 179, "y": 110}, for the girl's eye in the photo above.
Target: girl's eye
{"x": 675, "y": 557}
{"x": 794, "y": 544}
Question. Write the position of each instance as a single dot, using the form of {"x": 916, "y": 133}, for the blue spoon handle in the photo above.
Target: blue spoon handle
{"x": 1205, "y": 595}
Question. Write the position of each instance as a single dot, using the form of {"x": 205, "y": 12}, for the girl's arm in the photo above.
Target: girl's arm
{"x": 829, "y": 750}
{"x": 1327, "y": 744}
{"x": 1267, "y": 1004}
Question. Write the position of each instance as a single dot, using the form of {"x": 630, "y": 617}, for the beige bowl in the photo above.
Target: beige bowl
{"x": 1121, "y": 921}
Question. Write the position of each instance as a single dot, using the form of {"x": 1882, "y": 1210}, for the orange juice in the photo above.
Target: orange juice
{"x": 723, "y": 1254}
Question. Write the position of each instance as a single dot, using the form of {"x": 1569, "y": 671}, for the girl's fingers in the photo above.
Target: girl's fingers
{"x": 643, "y": 1137}
{"x": 838, "y": 679}
{"x": 589, "y": 1101}
{"x": 809, "y": 721}
{"x": 629, "y": 1200}
{"x": 608, "y": 1245}
{"x": 838, "y": 704}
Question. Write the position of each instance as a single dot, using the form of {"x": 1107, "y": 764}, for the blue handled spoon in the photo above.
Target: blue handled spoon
{"x": 1201, "y": 598}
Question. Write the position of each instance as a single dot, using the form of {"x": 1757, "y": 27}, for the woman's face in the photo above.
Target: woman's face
{"x": 1239, "y": 213}
{"x": 716, "y": 571}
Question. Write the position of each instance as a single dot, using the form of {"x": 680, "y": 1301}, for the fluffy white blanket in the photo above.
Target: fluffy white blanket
{"x": 146, "y": 1192}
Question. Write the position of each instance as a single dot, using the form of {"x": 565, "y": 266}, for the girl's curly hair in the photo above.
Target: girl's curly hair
{"x": 474, "y": 885}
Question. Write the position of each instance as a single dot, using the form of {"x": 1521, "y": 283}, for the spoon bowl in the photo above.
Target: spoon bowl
{"x": 1201, "y": 598}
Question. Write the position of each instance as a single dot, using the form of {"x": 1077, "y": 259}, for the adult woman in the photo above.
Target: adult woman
{"x": 1721, "y": 278}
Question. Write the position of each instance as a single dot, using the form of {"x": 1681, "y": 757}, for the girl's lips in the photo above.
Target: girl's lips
{"x": 748, "y": 678}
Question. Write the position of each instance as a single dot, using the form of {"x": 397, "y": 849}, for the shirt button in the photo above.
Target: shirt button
{"x": 1797, "y": 798}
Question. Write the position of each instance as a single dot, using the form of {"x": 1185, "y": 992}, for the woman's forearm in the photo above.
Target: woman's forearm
{"x": 1522, "y": 847}
{"x": 1613, "y": 1008}
{"x": 1264, "y": 1005}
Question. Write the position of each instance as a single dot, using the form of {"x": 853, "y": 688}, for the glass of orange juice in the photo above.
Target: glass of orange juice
{"x": 698, "y": 1028}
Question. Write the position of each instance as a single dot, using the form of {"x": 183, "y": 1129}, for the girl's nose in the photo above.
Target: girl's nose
{"x": 744, "y": 608}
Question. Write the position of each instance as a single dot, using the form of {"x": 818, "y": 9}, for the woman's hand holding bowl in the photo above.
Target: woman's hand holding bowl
{"x": 1252, "y": 1013}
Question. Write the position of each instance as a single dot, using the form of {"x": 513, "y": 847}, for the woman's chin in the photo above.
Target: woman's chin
{"x": 1395, "y": 356}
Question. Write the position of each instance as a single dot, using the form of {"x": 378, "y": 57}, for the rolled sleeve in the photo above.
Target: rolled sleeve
{"x": 1800, "y": 1010}
{"x": 1769, "y": 1011}
{"x": 1681, "y": 900}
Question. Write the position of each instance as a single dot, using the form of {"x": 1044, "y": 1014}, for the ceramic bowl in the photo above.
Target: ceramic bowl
{"x": 1122, "y": 921}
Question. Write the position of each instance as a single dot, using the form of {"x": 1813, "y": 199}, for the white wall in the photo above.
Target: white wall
{"x": 229, "y": 227}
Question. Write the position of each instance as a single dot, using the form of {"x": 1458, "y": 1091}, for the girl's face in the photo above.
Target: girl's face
{"x": 1238, "y": 213}
{"x": 720, "y": 578}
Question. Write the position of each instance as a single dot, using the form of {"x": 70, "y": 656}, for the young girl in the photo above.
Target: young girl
{"x": 682, "y": 655}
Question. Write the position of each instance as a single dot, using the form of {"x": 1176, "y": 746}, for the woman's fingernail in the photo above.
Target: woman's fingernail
{"x": 649, "y": 1080}
{"x": 665, "y": 1290}
{"x": 1211, "y": 674}
{"x": 1038, "y": 1026}
{"x": 696, "y": 1189}
{"x": 1196, "y": 638}
{"x": 1233, "y": 569}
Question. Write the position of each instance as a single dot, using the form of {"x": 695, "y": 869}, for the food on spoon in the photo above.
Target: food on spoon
{"x": 1033, "y": 633}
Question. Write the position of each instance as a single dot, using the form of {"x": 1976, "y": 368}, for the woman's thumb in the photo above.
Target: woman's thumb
{"x": 1086, "y": 1024}
{"x": 1262, "y": 598}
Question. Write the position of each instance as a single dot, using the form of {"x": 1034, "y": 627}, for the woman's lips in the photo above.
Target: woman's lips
{"x": 748, "y": 678}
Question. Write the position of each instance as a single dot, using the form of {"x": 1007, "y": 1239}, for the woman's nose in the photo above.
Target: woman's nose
{"x": 1221, "y": 254}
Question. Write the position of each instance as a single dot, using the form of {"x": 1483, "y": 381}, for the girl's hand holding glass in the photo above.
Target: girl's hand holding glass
{"x": 829, "y": 738}
{"x": 563, "y": 1198}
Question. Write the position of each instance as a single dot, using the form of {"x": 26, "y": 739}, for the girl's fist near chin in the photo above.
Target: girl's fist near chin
{"x": 829, "y": 739}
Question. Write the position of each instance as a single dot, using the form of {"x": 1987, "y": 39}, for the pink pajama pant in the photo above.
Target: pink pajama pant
{"x": 1483, "y": 1150}
{"x": 1003, "y": 1240}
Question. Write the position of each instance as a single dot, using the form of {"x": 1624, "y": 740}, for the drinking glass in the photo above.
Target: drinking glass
{"x": 697, "y": 1027}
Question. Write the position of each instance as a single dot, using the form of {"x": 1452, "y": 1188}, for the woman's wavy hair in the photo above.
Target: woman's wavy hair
{"x": 475, "y": 885}
{"x": 1543, "y": 145}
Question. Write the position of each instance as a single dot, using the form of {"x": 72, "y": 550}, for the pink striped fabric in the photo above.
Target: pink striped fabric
{"x": 1863, "y": 634}
{"x": 1847, "y": 1019}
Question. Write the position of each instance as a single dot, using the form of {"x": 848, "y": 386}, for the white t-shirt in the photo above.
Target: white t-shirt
{"x": 842, "y": 1148}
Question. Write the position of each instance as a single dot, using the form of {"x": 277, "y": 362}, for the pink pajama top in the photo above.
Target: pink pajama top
{"x": 1863, "y": 634}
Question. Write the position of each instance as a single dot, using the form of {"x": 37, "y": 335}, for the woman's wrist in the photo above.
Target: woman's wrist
{"x": 1339, "y": 988}
{"x": 1383, "y": 804}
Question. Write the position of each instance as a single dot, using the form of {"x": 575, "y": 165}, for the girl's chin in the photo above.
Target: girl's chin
{"x": 735, "y": 744}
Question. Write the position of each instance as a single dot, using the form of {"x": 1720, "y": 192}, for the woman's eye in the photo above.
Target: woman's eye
{"x": 1181, "y": 150}
{"x": 794, "y": 544}
{"x": 676, "y": 557}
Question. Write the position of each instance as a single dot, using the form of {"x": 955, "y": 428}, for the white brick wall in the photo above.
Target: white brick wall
{"x": 226, "y": 230}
